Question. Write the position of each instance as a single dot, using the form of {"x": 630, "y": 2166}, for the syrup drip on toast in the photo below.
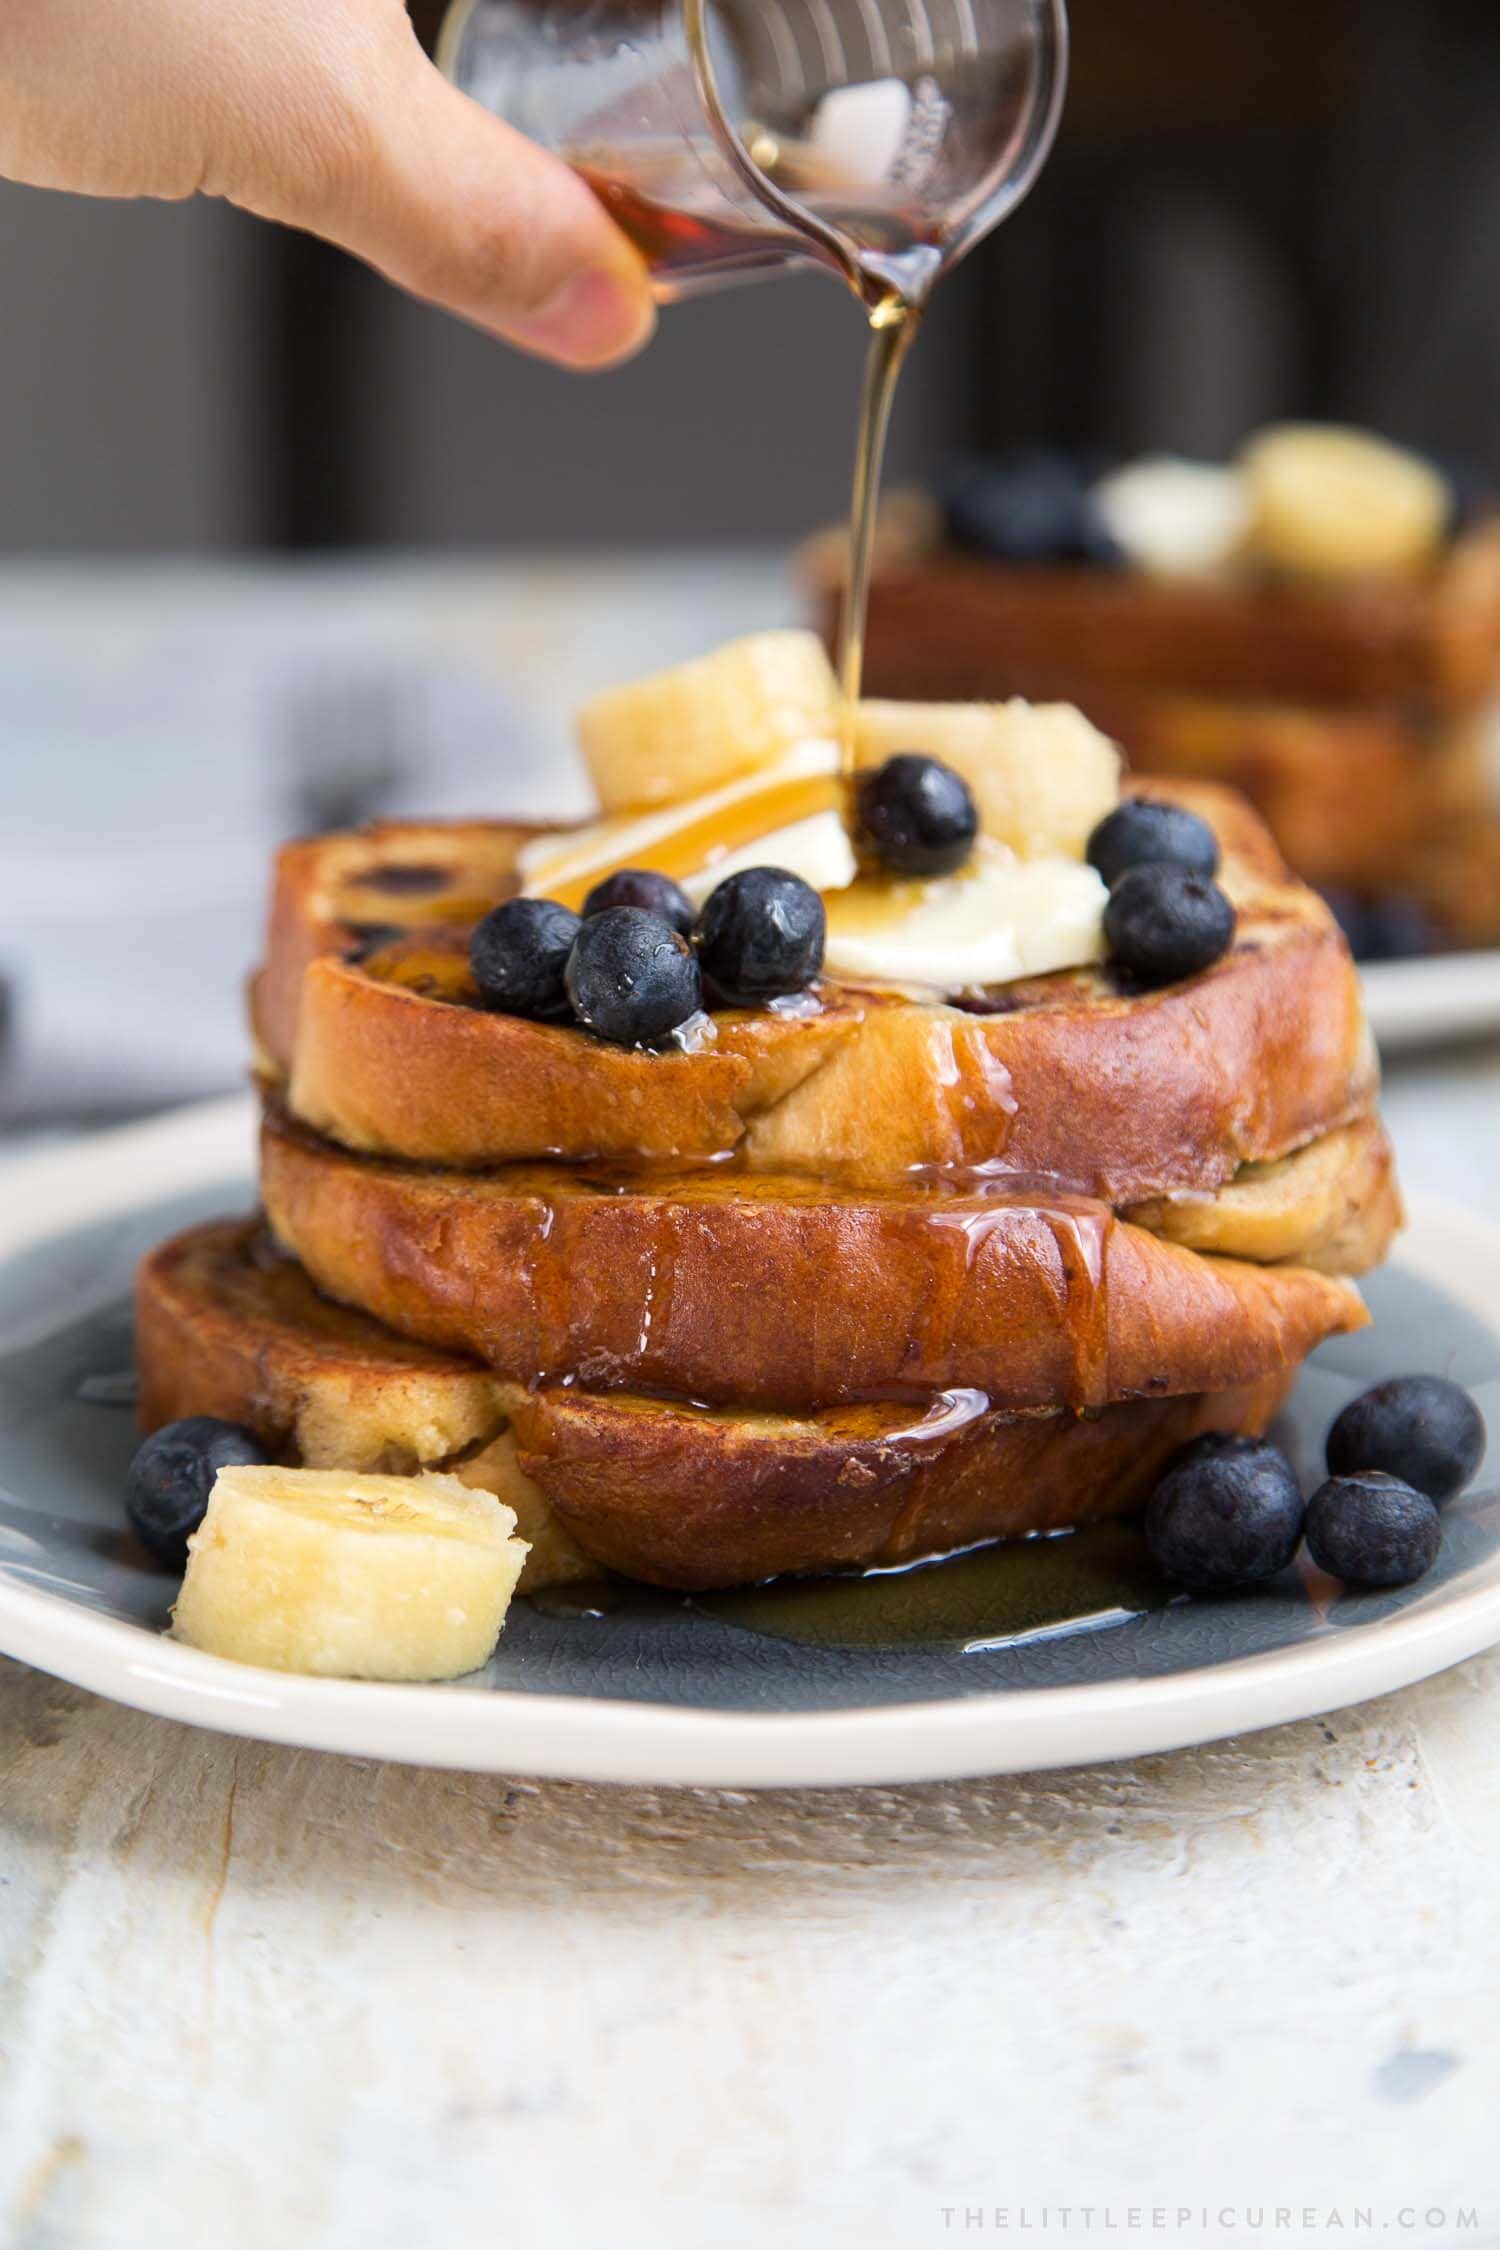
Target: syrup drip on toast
{"x": 1063, "y": 1235}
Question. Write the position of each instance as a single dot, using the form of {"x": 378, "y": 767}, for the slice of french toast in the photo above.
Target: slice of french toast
{"x": 943, "y": 625}
{"x": 691, "y": 1498}
{"x": 1122, "y": 1093}
{"x": 675, "y": 1495}
{"x": 757, "y": 1289}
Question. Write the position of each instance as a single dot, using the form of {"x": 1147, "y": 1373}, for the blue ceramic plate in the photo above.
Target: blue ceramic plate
{"x": 1052, "y": 1654}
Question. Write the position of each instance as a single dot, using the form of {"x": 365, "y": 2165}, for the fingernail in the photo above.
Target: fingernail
{"x": 597, "y": 316}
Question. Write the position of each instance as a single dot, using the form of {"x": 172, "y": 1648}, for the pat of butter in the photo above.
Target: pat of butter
{"x": 791, "y": 806}
{"x": 1000, "y": 919}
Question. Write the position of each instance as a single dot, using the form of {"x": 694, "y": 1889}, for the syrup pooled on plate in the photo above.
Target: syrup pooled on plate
{"x": 985, "y": 1598}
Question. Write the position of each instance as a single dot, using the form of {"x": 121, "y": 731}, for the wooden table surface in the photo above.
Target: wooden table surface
{"x": 256, "y": 1997}
{"x": 259, "y": 1997}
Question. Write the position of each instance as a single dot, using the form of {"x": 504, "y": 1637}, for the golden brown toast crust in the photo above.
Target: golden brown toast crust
{"x": 757, "y": 1290}
{"x": 1121, "y": 1094}
{"x": 701, "y": 1500}
{"x": 678, "y": 1497}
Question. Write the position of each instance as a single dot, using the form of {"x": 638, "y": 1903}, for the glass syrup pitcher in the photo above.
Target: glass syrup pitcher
{"x": 880, "y": 138}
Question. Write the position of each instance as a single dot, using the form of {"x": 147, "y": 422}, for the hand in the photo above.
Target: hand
{"x": 325, "y": 115}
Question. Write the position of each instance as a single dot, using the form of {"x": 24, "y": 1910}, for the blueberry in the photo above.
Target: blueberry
{"x": 169, "y": 1481}
{"x": 1029, "y": 506}
{"x": 1230, "y": 1517}
{"x": 518, "y": 955}
{"x": 1217, "y": 1445}
{"x": 1420, "y": 1428}
{"x": 639, "y": 886}
{"x": 1143, "y": 833}
{"x": 761, "y": 934}
{"x": 1162, "y": 923}
{"x": 1373, "y": 1530}
{"x": 917, "y": 815}
{"x": 631, "y": 977}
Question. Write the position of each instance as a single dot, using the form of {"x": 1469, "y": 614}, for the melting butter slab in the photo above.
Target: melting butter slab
{"x": 999, "y": 919}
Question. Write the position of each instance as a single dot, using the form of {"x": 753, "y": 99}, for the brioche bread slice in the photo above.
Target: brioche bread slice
{"x": 667, "y": 1493}
{"x": 1121, "y": 1093}
{"x": 756, "y": 1289}
{"x": 696, "y": 1499}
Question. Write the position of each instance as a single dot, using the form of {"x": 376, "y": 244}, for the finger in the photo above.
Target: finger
{"x": 455, "y": 206}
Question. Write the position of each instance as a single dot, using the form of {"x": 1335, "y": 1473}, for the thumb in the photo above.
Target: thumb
{"x": 460, "y": 209}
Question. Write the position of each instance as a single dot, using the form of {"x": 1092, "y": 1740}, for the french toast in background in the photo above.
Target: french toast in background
{"x": 855, "y": 1275}
{"x": 1316, "y": 626}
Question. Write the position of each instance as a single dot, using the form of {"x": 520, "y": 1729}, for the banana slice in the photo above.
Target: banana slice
{"x": 1042, "y": 777}
{"x": 1335, "y": 503}
{"x": 372, "y": 1578}
{"x": 679, "y": 733}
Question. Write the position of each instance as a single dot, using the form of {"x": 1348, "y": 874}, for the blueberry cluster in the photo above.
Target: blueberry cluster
{"x": 1229, "y": 1511}
{"x": 1167, "y": 918}
{"x": 639, "y": 962}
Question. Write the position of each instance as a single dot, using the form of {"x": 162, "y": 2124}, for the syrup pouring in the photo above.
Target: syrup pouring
{"x": 876, "y": 139}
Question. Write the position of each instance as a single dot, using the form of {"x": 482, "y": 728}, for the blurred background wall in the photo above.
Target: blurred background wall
{"x": 1242, "y": 220}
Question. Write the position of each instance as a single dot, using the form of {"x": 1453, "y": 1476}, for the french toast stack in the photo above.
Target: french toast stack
{"x": 1350, "y": 696}
{"x": 812, "y": 1286}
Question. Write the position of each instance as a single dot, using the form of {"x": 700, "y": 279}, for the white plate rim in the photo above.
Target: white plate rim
{"x": 592, "y": 1739}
